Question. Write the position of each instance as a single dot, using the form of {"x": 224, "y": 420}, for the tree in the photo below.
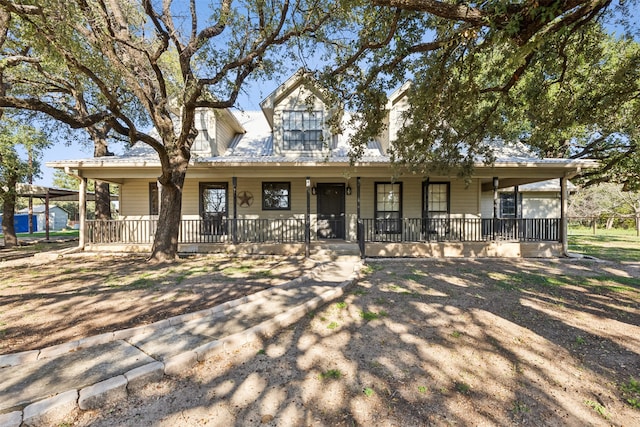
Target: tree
{"x": 546, "y": 73}
{"x": 123, "y": 50}
{"x": 606, "y": 201}
{"x": 14, "y": 168}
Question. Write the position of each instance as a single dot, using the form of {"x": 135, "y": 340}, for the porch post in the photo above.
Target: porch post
{"x": 46, "y": 214}
{"x": 307, "y": 222}
{"x": 496, "y": 183}
{"x": 515, "y": 211}
{"x": 234, "y": 225}
{"x": 159, "y": 196}
{"x": 82, "y": 200}
{"x": 359, "y": 223}
{"x": 563, "y": 215}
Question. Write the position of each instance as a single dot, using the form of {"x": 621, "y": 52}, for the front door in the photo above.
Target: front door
{"x": 331, "y": 222}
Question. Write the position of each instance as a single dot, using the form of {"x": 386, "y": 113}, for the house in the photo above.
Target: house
{"x": 279, "y": 180}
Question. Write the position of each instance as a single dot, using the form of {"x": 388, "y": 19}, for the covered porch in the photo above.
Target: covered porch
{"x": 449, "y": 234}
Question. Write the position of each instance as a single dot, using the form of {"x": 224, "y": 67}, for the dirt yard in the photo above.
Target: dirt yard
{"x": 413, "y": 343}
{"x": 76, "y": 297}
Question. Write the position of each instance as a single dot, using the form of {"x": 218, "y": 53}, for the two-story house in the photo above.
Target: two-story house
{"x": 279, "y": 181}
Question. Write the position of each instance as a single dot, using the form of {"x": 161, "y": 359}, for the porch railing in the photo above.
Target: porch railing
{"x": 292, "y": 230}
{"x": 223, "y": 230}
{"x": 461, "y": 229}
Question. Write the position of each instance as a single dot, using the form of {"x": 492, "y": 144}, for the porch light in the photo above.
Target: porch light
{"x": 348, "y": 190}
{"x": 314, "y": 191}
{"x": 495, "y": 182}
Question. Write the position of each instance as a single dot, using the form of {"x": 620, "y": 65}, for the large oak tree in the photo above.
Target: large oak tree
{"x": 560, "y": 75}
{"x": 124, "y": 53}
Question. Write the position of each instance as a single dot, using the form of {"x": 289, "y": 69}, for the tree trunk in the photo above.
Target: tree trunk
{"x": 8, "y": 213}
{"x": 102, "y": 194}
{"x": 610, "y": 222}
{"x": 103, "y": 201}
{"x": 165, "y": 243}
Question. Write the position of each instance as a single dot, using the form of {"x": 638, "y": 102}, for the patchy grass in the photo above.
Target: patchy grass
{"x": 598, "y": 407}
{"x": 631, "y": 392}
{"x": 624, "y": 247}
{"x": 372, "y": 315}
{"x": 331, "y": 374}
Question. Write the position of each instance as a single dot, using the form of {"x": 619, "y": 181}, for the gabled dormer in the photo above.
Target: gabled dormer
{"x": 299, "y": 113}
{"x": 397, "y": 106}
{"x": 216, "y": 130}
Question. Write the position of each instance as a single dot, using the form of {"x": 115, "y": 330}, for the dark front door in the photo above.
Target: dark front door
{"x": 330, "y": 211}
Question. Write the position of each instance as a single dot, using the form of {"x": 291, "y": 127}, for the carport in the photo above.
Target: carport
{"x": 49, "y": 194}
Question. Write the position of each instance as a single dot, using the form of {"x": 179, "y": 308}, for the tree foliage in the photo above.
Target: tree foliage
{"x": 548, "y": 73}
{"x": 20, "y": 147}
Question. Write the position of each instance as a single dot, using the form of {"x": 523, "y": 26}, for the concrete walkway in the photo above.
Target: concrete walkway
{"x": 41, "y": 387}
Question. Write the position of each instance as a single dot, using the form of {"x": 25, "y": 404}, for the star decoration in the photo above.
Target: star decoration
{"x": 246, "y": 199}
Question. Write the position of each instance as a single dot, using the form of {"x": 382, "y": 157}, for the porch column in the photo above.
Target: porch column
{"x": 82, "y": 199}
{"x": 234, "y": 225}
{"x": 307, "y": 222}
{"x": 515, "y": 211}
{"x": 563, "y": 215}
{"x": 159, "y": 196}
{"x": 496, "y": 183}
{"x": 359, "y": 223}
{"x": 46, "y": 214}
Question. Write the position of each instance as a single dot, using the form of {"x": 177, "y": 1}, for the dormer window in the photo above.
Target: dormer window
{"x": 202, "y": 143}
{"x": 302, "y": 130}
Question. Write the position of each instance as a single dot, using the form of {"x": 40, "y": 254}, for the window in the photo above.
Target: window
{"x": 508, "y": 205}
{"x": 213, "y": 207}
{"x": 437, "y": 198}
{"x": 302, "y": 130}
{"x": 154, "y": 202}
{"x": 201, "y": 143}
{"x": 276, "y": 195}
{"x": 435, "y": 210}
{"x": 388, "y": 204}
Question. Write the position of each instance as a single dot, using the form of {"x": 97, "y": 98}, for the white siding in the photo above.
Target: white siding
{"x": 540, "y": 205}
{"x": 224, "y": 133}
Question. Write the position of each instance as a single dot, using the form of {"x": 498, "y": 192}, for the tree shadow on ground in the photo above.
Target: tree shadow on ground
{"x": 459, "y": 342}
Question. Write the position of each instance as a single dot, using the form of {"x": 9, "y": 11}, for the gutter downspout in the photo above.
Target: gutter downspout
{"x": 82, "y": 208}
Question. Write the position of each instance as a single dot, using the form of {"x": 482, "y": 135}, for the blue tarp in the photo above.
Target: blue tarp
{"x": 21, "y": 222}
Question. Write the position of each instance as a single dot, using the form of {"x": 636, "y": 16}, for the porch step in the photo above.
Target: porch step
{"x": 334, "y": 249}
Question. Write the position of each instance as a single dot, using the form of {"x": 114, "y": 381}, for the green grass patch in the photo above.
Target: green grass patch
{"x": 372, "y": 315}
{"x": 332, "y": 325}
{"x": 368, "y": 391}
{"x": 631, "y": 392}
{"x": 42, "y": 234}
{"x": 462, "y": 387}
{"x": 341, "y": 305}
{"x": 601, "y": 410}
{"x": 331, "y": 374}
{"x": 618, "y": 247}
{"x": 371, "y": 268}
{"x": 422, "y": 389}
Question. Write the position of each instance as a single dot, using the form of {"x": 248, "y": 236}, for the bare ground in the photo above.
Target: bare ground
{"x": 417, "y": 343}
{"x": 71, "y": 298}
